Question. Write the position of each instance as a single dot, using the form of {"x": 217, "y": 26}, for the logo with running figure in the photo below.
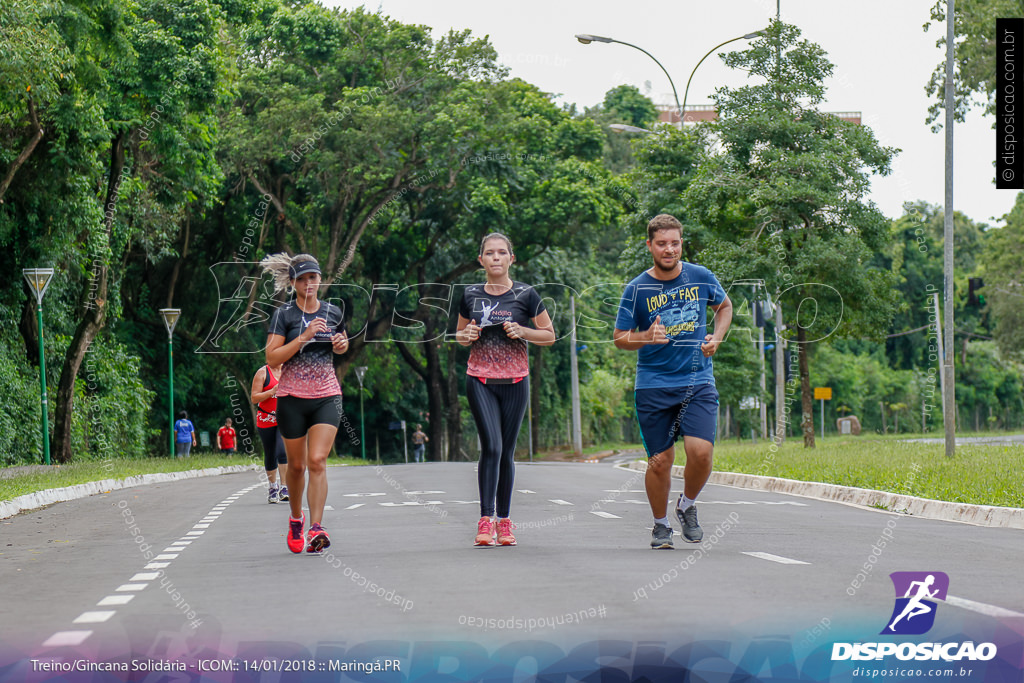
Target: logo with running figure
{"x": 916, "y": 595}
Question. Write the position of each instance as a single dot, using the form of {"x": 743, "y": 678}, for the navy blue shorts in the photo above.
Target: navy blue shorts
{"x": 666, "y": 414}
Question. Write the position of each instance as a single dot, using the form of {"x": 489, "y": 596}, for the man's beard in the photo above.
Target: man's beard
{"x": 661, "y": 269}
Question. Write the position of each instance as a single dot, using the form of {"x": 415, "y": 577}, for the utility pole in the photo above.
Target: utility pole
{"x": 577, "y": 427}
{"x": 780, "y": 377}
{"x": 948, "y": 386}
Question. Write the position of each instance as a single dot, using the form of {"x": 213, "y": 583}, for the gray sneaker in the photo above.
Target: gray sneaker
{"x": 661, "y": 537}
{"x": 273, "y": 495}
{"x": 692, "y": 533}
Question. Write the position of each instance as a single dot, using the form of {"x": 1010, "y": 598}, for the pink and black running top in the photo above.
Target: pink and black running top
{"x": 266, "y": 411}
{"x": 494, "y": 355}
{"x": 310, "y": 372}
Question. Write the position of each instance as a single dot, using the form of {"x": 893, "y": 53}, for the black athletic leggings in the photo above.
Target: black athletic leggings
{"x": 498, "y": 410}
{"x": 274, "y": 453}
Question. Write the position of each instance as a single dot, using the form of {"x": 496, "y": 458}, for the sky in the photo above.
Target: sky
{"x": 883, "y": 60}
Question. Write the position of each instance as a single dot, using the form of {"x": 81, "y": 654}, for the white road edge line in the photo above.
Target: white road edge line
{"x": 774, "y": 558}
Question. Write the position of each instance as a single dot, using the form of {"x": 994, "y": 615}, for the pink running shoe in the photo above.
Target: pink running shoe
{"x": 317, "y": 539}
{"x": 505, "y": 536}
{"x": 296, "y": 542}
{"x": 485, "y": 532}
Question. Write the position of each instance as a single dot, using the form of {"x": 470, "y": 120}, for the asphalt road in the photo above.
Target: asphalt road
{"x": 220, "y": 582}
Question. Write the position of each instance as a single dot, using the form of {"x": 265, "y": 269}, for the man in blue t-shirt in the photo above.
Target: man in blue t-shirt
{"x": 184, "y": 435}
{"x": 663, "y": 315}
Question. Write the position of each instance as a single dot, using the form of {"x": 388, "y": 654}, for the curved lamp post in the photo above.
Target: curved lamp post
{"x": 626, "y": 128}
{"x": 360, "y": 372}
{"x": 170, "y": 316}
{"x": 587, "y": 38}
{"x": 746, "y": 36}
{"x": 39, "y": 280}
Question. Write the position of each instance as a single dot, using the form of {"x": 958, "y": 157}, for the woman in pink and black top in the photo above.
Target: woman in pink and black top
{"x": 304, "y": 336}
{"x": 494, "y": 321}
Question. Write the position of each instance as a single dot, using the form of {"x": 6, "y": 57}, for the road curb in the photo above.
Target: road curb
{"x": 31, "y": 501}
{"x": 979, "y": 515}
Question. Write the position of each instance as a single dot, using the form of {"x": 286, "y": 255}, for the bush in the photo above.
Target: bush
{"x": 20, "y": 431}
{"x": 112, "y": 405}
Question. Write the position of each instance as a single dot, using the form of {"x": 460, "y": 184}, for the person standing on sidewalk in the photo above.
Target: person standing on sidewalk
{"x": 184, "y": 435}
{"x": 663, "y": 316}
{"x": 226, "y": 438}
{"x": 304, "y": 335}
{"x": 419, "y": 443}
{"x": 495, "y": 319}
{"x": 263, "y": 394}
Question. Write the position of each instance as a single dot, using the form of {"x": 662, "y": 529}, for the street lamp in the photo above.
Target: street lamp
{"x": 587, "y": 39}
{"x": 360, "y": 372}
{"x": 170, "y": 316}
{"x": 746, "y": 36}
{"x": 626, "y": 128}
{"x": 39, "y": 280}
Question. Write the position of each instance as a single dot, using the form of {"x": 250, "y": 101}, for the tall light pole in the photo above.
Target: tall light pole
{"x": 39, "y": 280}
{"x": 587, "y": 39}
{"x": 948, "y": 387}
{"x": 746, "y": 36}
{"x": 360, "y": 372}
{"x": 170, "y": 316}
{"x": 577, "y": 421}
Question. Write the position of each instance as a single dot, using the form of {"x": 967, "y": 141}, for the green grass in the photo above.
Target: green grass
{"x": 978, "y": 474}
{"x": 58, "y": 476}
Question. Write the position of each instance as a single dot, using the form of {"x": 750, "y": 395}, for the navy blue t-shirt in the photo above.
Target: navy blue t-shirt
{"x": 682, "y": 304}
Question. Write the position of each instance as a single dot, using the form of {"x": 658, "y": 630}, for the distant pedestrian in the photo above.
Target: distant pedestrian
{"x": 663, "y": 315}
{"x": 496, "y": 320}
{"x": 226, "y": 438}
{"x": 184, "y": 435}
{"x": 419, "y": 443}
{"x": 275, "y": 458}
{"x": 304, "y": 336}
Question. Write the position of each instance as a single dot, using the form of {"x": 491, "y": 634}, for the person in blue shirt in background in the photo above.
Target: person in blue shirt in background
{"x": 663, "y": 316}
{"x": 184, "y": 434}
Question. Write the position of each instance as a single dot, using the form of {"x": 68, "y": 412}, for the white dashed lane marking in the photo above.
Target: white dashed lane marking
{"x": 66, "y": 638}
{"x": 140, "y": 580}
{"x": 606, "y": 515}
{"x": 97, "y": 617}
{"x": 774, "y": 558}
{"x": 115, "y": 600}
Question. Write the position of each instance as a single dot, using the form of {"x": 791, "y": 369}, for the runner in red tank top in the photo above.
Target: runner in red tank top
{"x": 275, "y": 457}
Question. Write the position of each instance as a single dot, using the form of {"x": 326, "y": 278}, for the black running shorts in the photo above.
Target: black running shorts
{"x": 296, "y": 415}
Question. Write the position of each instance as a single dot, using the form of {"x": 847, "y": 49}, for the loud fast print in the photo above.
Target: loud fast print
{"x": 679, "y": 309}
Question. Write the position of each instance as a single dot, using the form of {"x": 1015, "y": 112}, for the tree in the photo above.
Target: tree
{"x": 628, "y": 105}
{"x": 784, "y": 198}
{"x": 623, "y": 104}
{"x": 1003, "y": 269}
{"x": 974, "y": 73}
{"x": 33, "y": 68}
